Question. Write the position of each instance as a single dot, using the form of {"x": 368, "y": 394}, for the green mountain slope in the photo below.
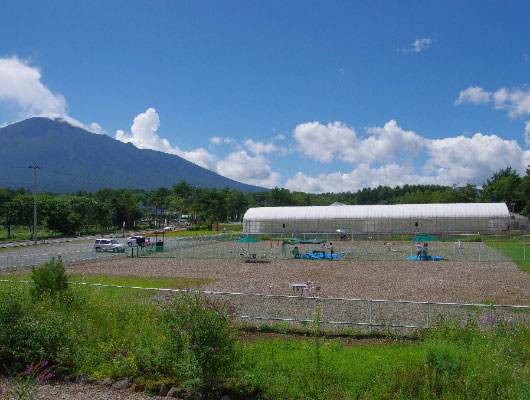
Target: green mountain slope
{"x": 74, "y": 159}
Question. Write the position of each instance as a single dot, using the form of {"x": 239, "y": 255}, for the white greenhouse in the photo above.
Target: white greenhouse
{"x": 425, "y": 218}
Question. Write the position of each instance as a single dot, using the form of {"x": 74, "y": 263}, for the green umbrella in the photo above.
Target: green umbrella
{"x": 424, "y": 238}
{"x": 248, "y": 239}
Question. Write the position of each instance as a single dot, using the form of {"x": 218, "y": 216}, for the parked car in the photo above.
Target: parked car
{"x": 170, "y": 228}
{"x": 109, "y": 245}
{"x": 138, "y": 240}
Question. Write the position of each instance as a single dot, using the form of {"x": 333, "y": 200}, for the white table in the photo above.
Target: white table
{"x": 298, "y": 288}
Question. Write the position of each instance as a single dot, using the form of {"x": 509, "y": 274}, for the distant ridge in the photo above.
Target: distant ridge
{"x": 74, "y": 159}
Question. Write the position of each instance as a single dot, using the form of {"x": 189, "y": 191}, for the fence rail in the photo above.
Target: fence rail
{"x": 339, "y": 312}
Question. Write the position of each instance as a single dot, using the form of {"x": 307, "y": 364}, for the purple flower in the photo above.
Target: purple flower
{"x": 288, "y": 375}
{"x": 159, "y": 353}
{"x": 196, "y": 346}
{"x": 1, "y": 390}
{"x": 10, "y": 379}
{"x": 48, "y": 375}
{"x": 40, "y": 377}
{"x": 174, "y": 329}
{"x": 44, "y": 363}
{"x": 213, "y": 350}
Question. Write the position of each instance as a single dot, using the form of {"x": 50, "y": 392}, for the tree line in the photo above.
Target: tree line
{"x": 105, "y": 208}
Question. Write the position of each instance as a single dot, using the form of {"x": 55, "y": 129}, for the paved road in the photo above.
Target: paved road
{"x": 74, "y": 249}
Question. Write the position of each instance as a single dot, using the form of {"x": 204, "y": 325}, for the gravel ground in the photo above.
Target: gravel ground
{"x": 502, "y": 283}
{"x": 73, "y": 391}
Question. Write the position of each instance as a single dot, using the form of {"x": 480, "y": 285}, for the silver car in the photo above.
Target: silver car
{"x": 109, "y": 245}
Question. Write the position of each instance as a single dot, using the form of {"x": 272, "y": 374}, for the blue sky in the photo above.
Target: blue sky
{"x": 310, "y": 95}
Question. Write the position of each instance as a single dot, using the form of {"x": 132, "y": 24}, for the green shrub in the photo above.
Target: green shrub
{"x": 49, "y": 279}
{"x": 31, "y": 332}
{"x": 200, "y": 333}
{"x": 444, "y": 357}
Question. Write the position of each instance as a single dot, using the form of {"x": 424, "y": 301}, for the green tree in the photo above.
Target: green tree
{"x": 503, "y": 186}
{"x": 236, "y": 205}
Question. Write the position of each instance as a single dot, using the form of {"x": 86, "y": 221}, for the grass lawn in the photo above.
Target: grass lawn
{"x": 514, "y": 250}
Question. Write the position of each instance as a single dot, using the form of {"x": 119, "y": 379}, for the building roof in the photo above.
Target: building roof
{"x": 460, "y": 210}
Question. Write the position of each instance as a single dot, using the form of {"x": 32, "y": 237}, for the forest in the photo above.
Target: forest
{"x": 108, "y": 208}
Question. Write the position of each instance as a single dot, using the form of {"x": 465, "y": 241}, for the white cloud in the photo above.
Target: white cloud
{"x": 360, "y": 177}
{"x": 473, "y": 94}
{"x": 515, "y": 101}
{"x": 244, "y": 168}
{"x": 238, "y": 165}
{"x": 259, "y": 147}
{"x": 144, "y": 136}
{"x": 527, "y": 133}
{"x": 459, "y": 159}
{"x": 417, "y": 46}
{"x": 324, "y": 142}
{"x": 21, "y": 83}
{"x": 94, "y": 127}
{"x": 384, "y": 145}
{"x": 474, "y": 159}
{"x": 216, "y": 140}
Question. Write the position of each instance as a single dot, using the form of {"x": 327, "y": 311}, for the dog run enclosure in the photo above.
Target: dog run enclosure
{"x": 360, "y": 249}
{"x": 425, "y": 218}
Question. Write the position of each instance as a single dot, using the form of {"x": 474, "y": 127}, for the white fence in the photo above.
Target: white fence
{"x": 368, "y": 314}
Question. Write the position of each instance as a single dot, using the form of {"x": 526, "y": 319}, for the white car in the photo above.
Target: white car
{"x": 138, "y": 241}
{"x": 170, "y": 228}
{"x": 109, "y": 245}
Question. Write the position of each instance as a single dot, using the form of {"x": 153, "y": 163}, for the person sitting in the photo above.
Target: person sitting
{"x": 425, "y": 250}
{"x": 295, "y": 252}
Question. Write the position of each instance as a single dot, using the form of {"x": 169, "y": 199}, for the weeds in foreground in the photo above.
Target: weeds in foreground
{"x": 190, "y": 341}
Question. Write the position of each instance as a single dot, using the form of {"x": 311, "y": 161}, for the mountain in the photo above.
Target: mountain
{"x": 74, "y": 159}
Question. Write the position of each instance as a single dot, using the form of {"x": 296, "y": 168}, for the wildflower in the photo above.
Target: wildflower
{"x": 40, "y": 377}
{"x": 213, "y": 349}
{"x": 1, "y": 390}
{"x": 44, "y": 363}
{"x": 288, "y": 375}
{"x": 10, "y": 379}
{"x": 197, "y": 346}
{"x": 48, "y": 375}
{"x": 159, "y": 353}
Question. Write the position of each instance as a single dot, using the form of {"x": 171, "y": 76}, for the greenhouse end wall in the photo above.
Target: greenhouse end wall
{"x": 403, "y": 218}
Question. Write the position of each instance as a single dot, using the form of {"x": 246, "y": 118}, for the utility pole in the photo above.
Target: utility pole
{"x": 35, "y": 168}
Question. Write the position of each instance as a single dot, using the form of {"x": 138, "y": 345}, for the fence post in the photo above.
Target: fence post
{"x": 158, "y": 296}
{"x": 123, "y": 294}
{"x": 491, "y": 314}
{"x": 428, "y": 315}
{"x": 371, "y": 316}
{"x": 480, "y": 246}
{"x": 524, "y": 251}
{"x": 261, "y": 300}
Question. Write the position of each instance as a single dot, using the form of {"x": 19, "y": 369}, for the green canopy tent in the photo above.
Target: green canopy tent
{"x": 248, "y": 240}
{"x": 424, "y": 238}
{"x": 295, "y": 241}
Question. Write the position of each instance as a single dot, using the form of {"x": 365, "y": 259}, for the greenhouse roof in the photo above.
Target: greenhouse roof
{"x": 460, "y": 210}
